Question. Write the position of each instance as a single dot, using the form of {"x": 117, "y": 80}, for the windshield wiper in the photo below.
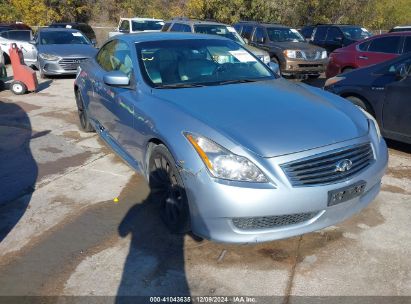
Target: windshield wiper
{"x": 236, "y": 81}
{"x": 179, "y": 86}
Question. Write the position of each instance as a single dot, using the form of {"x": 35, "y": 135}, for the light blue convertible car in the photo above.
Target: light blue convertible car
{"x": 231, "y": 150}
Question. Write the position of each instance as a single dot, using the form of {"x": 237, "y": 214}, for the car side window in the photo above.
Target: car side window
{"x": 320, "y": 33}
{"x": 116, "y": 56}
{"x": 166, "y": 26}
{"x": 333, "y": 34}
{"x": 176, "y": 27}
{"x": 259, "y": 36}
{"x": 393, "y": 67}
{"x": 105, "y": 54}
{"x": 185, "y": 28}
{"x": 238, "y": 28}
{"x": 121, "y": 60}
{"x": 247, "y": 32}
{"x": 364, "y": 46}
{"x": 125, "y": 26}
{"x": 407, "y": 45}
{"x": 388, "y": 44}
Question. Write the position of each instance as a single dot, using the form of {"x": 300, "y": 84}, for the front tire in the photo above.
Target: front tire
{"x": 85, "y": 124}
{"x": 359, "y": 103}
{"x": 168, "y": 189}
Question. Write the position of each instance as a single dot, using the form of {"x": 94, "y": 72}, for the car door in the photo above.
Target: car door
{"x": 397, "y": 103}
{"x": 319, "y": 36}
{"x": 122, "y": 100}
{"x": 334, "y": 39}
{"x": 102, "y": 106}
{"x": 378, "y": 50}
{"x": 22, "y": 38}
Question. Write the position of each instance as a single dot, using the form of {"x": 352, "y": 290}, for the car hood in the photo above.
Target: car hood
{"x": 271, "y": 118}
{"x": 68, "y": 50}
{"x": 289, "y": 45}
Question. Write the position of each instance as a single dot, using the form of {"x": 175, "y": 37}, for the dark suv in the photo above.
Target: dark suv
{"x": 286, "y": 46}
{"x": 13, "y": 26}
{"x": 334, "y": 36}
{"x": 86, "y": 29}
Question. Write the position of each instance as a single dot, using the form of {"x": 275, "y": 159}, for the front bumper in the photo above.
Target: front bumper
{"x": 58, "y": 67}
{"x": 303, "y": 67}
{"x": 214, "y": 204}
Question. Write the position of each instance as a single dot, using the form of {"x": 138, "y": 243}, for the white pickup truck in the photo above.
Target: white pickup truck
{"x": 137, "y": 25}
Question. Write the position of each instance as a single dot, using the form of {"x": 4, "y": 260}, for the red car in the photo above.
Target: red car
{"x": 370, "y": 51}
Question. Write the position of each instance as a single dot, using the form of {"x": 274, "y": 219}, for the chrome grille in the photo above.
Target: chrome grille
{"x": 322, "y": 168}
{"x": 267, "y": 222}
{"x": 70, "y": 64}
{"x": 308, "y": 55}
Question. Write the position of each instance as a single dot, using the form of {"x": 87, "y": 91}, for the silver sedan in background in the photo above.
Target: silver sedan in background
{"x": 231, "y": 150}
{"x": 60, "y": 51}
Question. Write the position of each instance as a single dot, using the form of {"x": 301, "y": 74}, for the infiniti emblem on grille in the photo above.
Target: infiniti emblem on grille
{"x": 343, "y": 165}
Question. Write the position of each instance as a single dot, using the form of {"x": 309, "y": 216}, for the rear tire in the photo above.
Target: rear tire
{"x": 168, "y": 189}
{"x": 18, "y": 87}
{"x": 85, "y": 124}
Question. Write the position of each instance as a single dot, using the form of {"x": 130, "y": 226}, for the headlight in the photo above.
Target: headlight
{"x": 223, "y": 164}
{"x": 292, "y": 54}
{"x": 49, "y": 57}
{"x": 324, "y": 54}
{"x": 266, "y": 59}
{"x": 372, "y": 121}
{"x": 333, "y": 80}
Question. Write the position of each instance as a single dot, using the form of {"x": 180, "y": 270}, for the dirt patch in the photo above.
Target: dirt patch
{"x": 51, "y": 150}
{"x": 72, "y": 135}
{"x": 67, "y": 116}
{"x": 404, "y": 172}
{"x": 43, "y": 266}
{"x": 394, "y": 189}
{"x": 59, "y": 165}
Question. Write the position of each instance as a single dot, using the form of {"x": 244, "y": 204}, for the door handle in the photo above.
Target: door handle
{"x": 363, "y": 57}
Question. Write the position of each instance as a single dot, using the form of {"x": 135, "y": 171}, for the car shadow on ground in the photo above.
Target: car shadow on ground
{"x": 155, "y": 261}
{"x": 18, "y": 169}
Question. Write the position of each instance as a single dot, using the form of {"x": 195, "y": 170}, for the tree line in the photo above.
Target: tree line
{"x": 373, "y": 14}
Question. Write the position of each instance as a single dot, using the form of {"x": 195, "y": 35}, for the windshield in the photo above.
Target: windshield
{"x": 284, "y": 34}
{"x": 355, "y": 32}
{"x": 148, "y": 25}
{"x": 62, "y": 37}
{"x": 220, "y": 30}
{"x": 198, "y": 62}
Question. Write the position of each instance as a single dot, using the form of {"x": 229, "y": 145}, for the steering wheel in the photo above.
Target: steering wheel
{"x": 222, "y": 68}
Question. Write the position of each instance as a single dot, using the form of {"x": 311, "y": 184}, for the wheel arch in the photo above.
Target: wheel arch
{"x": 370, "y": 108}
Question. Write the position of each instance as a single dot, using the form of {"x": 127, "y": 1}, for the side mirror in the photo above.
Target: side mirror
{"x": 274, "y": 67}
{"x": 33, "y": 42}
{"x": 94, "y": 42}
{"x": 246, "y": 40}
{"x": 116, "y": 79}
{"x": 401, "y": 72}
